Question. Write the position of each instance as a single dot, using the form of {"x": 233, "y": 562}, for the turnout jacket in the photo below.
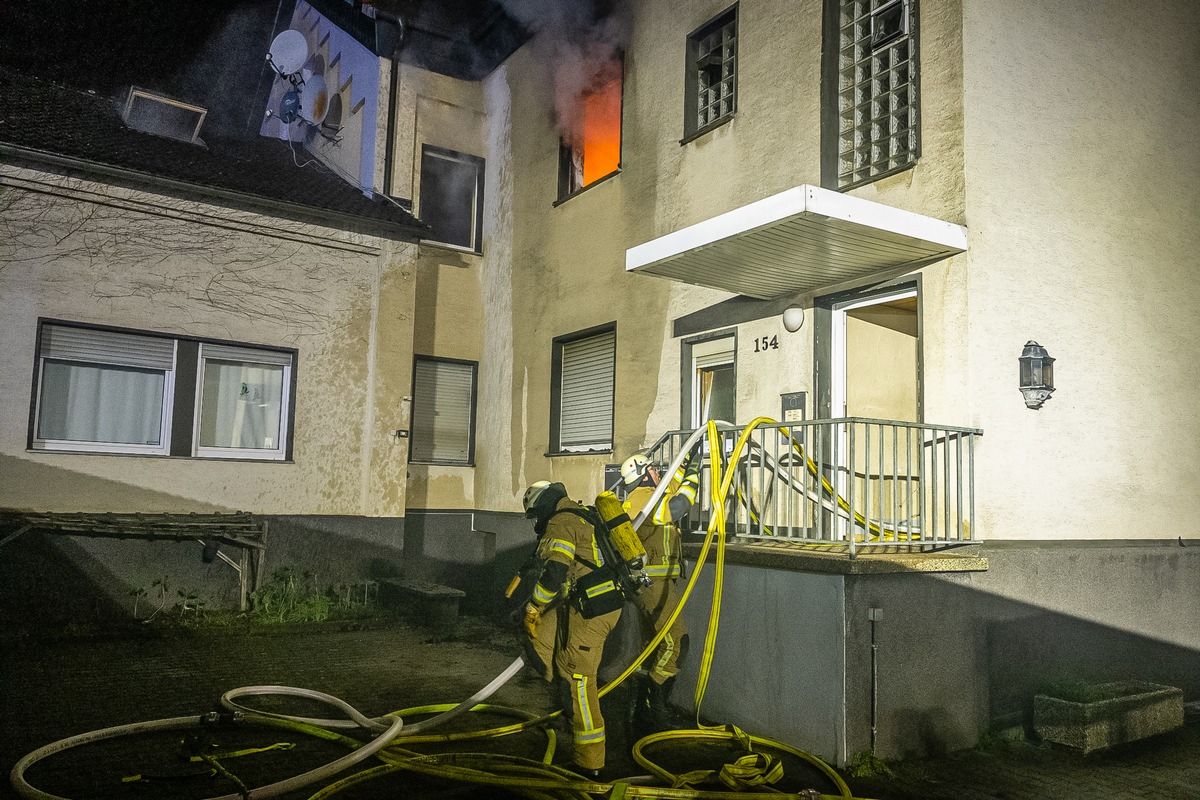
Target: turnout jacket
{"x": 568, "y": 542}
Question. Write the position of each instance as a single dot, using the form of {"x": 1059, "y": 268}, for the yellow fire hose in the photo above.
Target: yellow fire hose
{"x": 751, "y": 774}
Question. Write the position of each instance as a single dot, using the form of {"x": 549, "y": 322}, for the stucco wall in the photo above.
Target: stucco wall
{"x": 94, "y": 254}
{"x": 1081, "y": 201}
{"x": 567, "y": 261}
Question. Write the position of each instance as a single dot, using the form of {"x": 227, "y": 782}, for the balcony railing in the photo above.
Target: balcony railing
{"x": 854, "y": 483}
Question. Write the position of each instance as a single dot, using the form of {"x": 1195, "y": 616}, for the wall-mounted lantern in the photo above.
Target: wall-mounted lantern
{"x": 1037, "y": 374}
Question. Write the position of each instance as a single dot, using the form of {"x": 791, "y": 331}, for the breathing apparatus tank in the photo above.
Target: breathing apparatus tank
{"x": 620, "y": 530}
{"x": 629, "y": 555}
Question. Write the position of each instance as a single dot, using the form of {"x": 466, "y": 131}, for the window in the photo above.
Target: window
{"x": 581, "y": 400}
{"x": 107, "y": 390}
{"x": 591, "y": 144}
{"x": 242, "y": 399}
{"x": 443, "y": 411}
{"x": 710, "y": 381}
{"x": 871, "y": 110}
{"x": 711, "y": 81}
{"x": 452, "y": 197}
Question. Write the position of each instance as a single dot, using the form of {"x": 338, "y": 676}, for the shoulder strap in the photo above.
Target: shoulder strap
{"x": 583, "y": 514}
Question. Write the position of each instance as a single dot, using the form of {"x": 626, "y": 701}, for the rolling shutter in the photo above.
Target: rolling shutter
{"x": 89, "y": 345}
{"x": 586, "y": 407}
{"x": 443, "y": 396}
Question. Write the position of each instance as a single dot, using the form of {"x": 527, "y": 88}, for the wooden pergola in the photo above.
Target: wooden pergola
{"x": 240, "y": 530}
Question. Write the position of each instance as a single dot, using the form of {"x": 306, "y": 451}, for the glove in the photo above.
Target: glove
{"x": 532, "y": 618}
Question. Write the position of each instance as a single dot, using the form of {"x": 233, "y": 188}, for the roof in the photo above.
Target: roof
{"x": 50, "y": 124}
{"x": 800, "y": 240}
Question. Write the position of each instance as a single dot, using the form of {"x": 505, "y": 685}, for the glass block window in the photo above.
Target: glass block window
{"x": 877, "y": 103}
{"x": 712, "y": 73}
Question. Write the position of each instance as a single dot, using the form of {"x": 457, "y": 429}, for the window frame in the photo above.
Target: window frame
{"x": 831, "y": 90}
{"x": 181, "y": 400}
{"x": 479, "y": 163}
{"x": 277, "y": 453}
{"x": 691, "y": 87}
{"x": 473, "y": 411}
{"x": 556, "y": 392}
{"x": 689, "y": 369}
{"x": 565, "y": 192}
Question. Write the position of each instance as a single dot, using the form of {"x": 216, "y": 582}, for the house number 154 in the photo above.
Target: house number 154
{"x": 766, "y": 343}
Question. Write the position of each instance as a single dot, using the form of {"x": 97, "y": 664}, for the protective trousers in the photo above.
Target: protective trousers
{"x": 578, "y": 661}
{"x": 657, "y": 603}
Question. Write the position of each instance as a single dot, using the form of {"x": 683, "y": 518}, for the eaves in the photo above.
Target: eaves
{"x": 228, "y": 198}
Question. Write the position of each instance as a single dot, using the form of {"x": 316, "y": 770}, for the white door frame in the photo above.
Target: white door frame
{"x": 837, "y": 343}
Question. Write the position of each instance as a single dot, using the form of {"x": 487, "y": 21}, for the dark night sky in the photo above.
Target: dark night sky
{"x": 210, "y": 52}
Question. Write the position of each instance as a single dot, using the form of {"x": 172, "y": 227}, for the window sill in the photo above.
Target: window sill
{"x": 454, "y": 248}
{"x": 557, "y": 453}
{"x": 707, "y": 129}
{"x": 197, "y": 459}
{"x": 578, "y": 192}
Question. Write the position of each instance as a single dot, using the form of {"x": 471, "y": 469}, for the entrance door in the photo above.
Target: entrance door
{"x": 874, "y": 367}
{"x": 875, "y": 374}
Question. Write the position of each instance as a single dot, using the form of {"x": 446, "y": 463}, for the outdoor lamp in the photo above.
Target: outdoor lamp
{"x": 793, "y": 318}
{"x": 1037, "y": 374}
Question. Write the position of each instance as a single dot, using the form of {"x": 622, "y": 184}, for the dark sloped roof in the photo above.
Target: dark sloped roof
{"x": 44, "y": 122}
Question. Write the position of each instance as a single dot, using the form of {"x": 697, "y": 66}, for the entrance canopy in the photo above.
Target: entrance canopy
{"x": 797, "y": 241}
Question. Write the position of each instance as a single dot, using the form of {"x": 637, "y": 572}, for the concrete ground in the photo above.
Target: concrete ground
{"x": 71, "y": 662}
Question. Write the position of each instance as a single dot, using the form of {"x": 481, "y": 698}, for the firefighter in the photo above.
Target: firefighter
{"x": 574, "y": 606}
{"x": 664, "y": 564}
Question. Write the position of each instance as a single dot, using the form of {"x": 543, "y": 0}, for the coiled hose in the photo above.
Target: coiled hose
{"x": 535, "y": 779}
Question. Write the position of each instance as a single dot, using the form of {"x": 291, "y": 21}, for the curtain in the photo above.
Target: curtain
{"x": 94, "y": 403}
{"x": 240, "y": 405}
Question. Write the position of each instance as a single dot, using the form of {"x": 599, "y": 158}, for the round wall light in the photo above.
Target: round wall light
{"x": 793, "y": 318}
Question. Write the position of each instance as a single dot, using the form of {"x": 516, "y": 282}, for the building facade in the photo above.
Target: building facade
{"x": 932, "y": 184}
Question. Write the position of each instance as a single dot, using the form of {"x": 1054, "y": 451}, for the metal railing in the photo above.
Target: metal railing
{"x": 852, "y": 482}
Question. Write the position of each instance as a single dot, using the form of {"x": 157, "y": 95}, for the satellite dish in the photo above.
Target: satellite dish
{"x": 288, "y": 52}
{"x": 314, "y": 100}
{"x": 289, "y": 106}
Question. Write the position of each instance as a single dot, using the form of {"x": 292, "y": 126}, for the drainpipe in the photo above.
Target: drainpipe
{"x": 874, "y": 614}
{"x": 389, "y": 146}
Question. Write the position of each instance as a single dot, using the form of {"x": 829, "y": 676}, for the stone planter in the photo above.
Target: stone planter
{"x": 1122, "y": 712}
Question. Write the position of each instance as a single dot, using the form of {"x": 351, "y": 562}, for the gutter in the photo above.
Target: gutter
{"x": 230, "y": 198}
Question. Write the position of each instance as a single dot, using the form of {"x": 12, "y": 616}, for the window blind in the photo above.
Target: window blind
{"x": 586, "y": 406}
{"x": 252, "y": 355}
{"x": 442, "y": 428}
{"x": 65, "y": 343}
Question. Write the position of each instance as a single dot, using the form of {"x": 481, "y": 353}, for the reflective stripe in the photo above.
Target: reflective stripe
{"x": 541, "y": 595}
{"x": 585, "y": 711}
{"x": 662, "y": 570}
{"x": 600, "y": 588}
{"x": 668, "y": 648}
{"x": 562, "y": 546}
{"x": 589, "y": 737}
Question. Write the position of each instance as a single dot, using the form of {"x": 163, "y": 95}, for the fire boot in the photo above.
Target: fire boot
{"x": 663, "y": 716}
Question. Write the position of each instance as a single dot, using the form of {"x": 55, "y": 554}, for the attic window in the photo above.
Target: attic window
{"x": 162, "y": 116}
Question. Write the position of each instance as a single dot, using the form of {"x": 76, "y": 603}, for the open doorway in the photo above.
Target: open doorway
{"x": 874, "y": 356}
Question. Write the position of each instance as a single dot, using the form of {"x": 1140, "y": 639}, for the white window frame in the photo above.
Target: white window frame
{"x": 253, "y": 355}
{"x": 89, "y": 355}
{"x": 419, "y": 434}
{"x": 564, "y": 348}
{"x": 476, "y": 163}
{"x": 64, "y": 341}
{"x": 718, "y": 352}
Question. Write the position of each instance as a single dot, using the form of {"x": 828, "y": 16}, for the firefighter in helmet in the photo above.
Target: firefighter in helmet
{"x": 664, "y": 564}
{"x": 570, "y": 614}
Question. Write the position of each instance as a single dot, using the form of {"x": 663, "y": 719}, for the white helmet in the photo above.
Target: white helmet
{"x": 634, "y": 469}
{"x": 533, "y": 493}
